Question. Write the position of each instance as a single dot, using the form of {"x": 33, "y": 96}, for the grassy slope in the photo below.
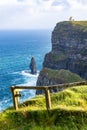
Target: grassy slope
{"x": 69, "y": 112}
{"x": 65, "y": 75}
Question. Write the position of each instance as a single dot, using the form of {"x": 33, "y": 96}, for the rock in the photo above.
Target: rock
{"x": 53, "y": 77}
{"x": 69, "y": 48}
{"x": 67, "y": 61}
{"x": 33, "y": 66}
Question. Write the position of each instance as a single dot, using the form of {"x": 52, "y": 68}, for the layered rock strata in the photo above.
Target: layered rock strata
{"x": 69, "y": 48}
{"x": 68, "y": 54}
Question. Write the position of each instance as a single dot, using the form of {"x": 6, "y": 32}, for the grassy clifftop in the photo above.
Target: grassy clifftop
{"x": 68, "y": 112}
{"x": 80, "y": 23}
{"x": 49, "y": 76}
{"x": 69, "y": 48}
{"x": 65, "y": 75}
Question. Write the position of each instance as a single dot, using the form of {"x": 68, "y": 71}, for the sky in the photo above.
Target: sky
{"x": 39, "y": 14}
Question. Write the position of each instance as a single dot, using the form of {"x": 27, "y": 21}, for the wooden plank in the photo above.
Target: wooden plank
{"x": 15, "y": 99}
{"x": 68, "y": 85}
{"x": 48, "y": 99}
{"x": 53, "y": 86}
{"x": 15, "y": 91}
{"x": 29, "y": 87}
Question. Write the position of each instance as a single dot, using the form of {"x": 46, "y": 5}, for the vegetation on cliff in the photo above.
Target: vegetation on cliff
{"x": 69, "y": 48}
{"x": 68, "y": 112}
{"x": 65, "y": 75}
{"x": 81, "y": 25}
{"x": 53, "y": 77}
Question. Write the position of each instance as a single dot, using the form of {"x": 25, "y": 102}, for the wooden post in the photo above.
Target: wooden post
{"x": 48, "y": 99}
{"x": 15, "y": 98}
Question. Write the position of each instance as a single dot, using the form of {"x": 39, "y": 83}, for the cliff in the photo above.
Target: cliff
{"x": 69, "y": 48}
{"x": 53, "y": 77}
{"x": 68, "y": 55}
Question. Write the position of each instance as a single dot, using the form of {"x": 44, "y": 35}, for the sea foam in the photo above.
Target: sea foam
{"x": 29, "y": 80}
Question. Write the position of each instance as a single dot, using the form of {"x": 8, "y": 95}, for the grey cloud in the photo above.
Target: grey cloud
{"x": 21, "y": 0}
{"x": 61, "y": 2}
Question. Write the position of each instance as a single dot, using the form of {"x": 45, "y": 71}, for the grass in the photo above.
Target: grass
{"x": 61, "y": 75}
{"x": 81, "y": 23}
{"x": 68, "y": 112}
{"x": 78, "y": 24}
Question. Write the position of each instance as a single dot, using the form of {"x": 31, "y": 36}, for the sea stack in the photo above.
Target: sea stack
{"x": 33, "y": 66}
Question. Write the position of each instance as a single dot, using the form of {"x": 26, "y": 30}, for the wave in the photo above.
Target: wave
{"x": 6, "y": 102}
{"x": 27, "y": 73}
{"x": 21, "y": 78}
{"x": 18, "y": 72}
{"x": 26, "y": 78}
{"x": 29, "y": 80}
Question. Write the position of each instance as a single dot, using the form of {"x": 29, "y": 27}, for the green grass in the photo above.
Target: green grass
{"x": 81, "y": 23}
{"x": 68, "y": 112}
{"x": 78, "y": 24}
{"x": 61, "y": 75}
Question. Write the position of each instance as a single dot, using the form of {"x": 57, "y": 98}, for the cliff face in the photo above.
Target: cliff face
{"x": 69, "y": 48}
{"x": 67, "y": 61}
{"x": 53, "y": 77}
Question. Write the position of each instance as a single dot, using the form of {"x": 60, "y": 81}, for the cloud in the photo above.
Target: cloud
{"x": 60, "y": 2}
{"x": 39, "y": 13}
{"x": 77, "y": 3}
{"x": 82, "y": 1}
{"x": 20, "y": 0}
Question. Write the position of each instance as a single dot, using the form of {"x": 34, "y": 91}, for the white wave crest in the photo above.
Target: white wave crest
{"x": 28, "y": 80}
{"x": 15, "y": 72}
{"x": 27, "y": 73}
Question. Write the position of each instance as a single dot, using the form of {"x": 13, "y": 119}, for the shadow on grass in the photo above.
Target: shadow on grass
{"x": 55, "y": 119}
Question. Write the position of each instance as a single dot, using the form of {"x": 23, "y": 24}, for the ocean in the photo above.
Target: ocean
{"x": 17, "y": 47}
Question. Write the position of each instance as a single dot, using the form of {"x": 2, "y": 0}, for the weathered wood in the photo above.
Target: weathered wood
{"x": 15, "y": 98}
{"x": 68, "y": 85}
{"x": 19, "y": 88}
{"x": 29, "y": 87}
{"x": 17, "y": 94}
{"x": 48, "y": 99}
{"x": 15, "y": 91}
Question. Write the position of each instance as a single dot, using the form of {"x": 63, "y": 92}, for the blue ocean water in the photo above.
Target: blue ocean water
{"x": 16, "y": 51}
